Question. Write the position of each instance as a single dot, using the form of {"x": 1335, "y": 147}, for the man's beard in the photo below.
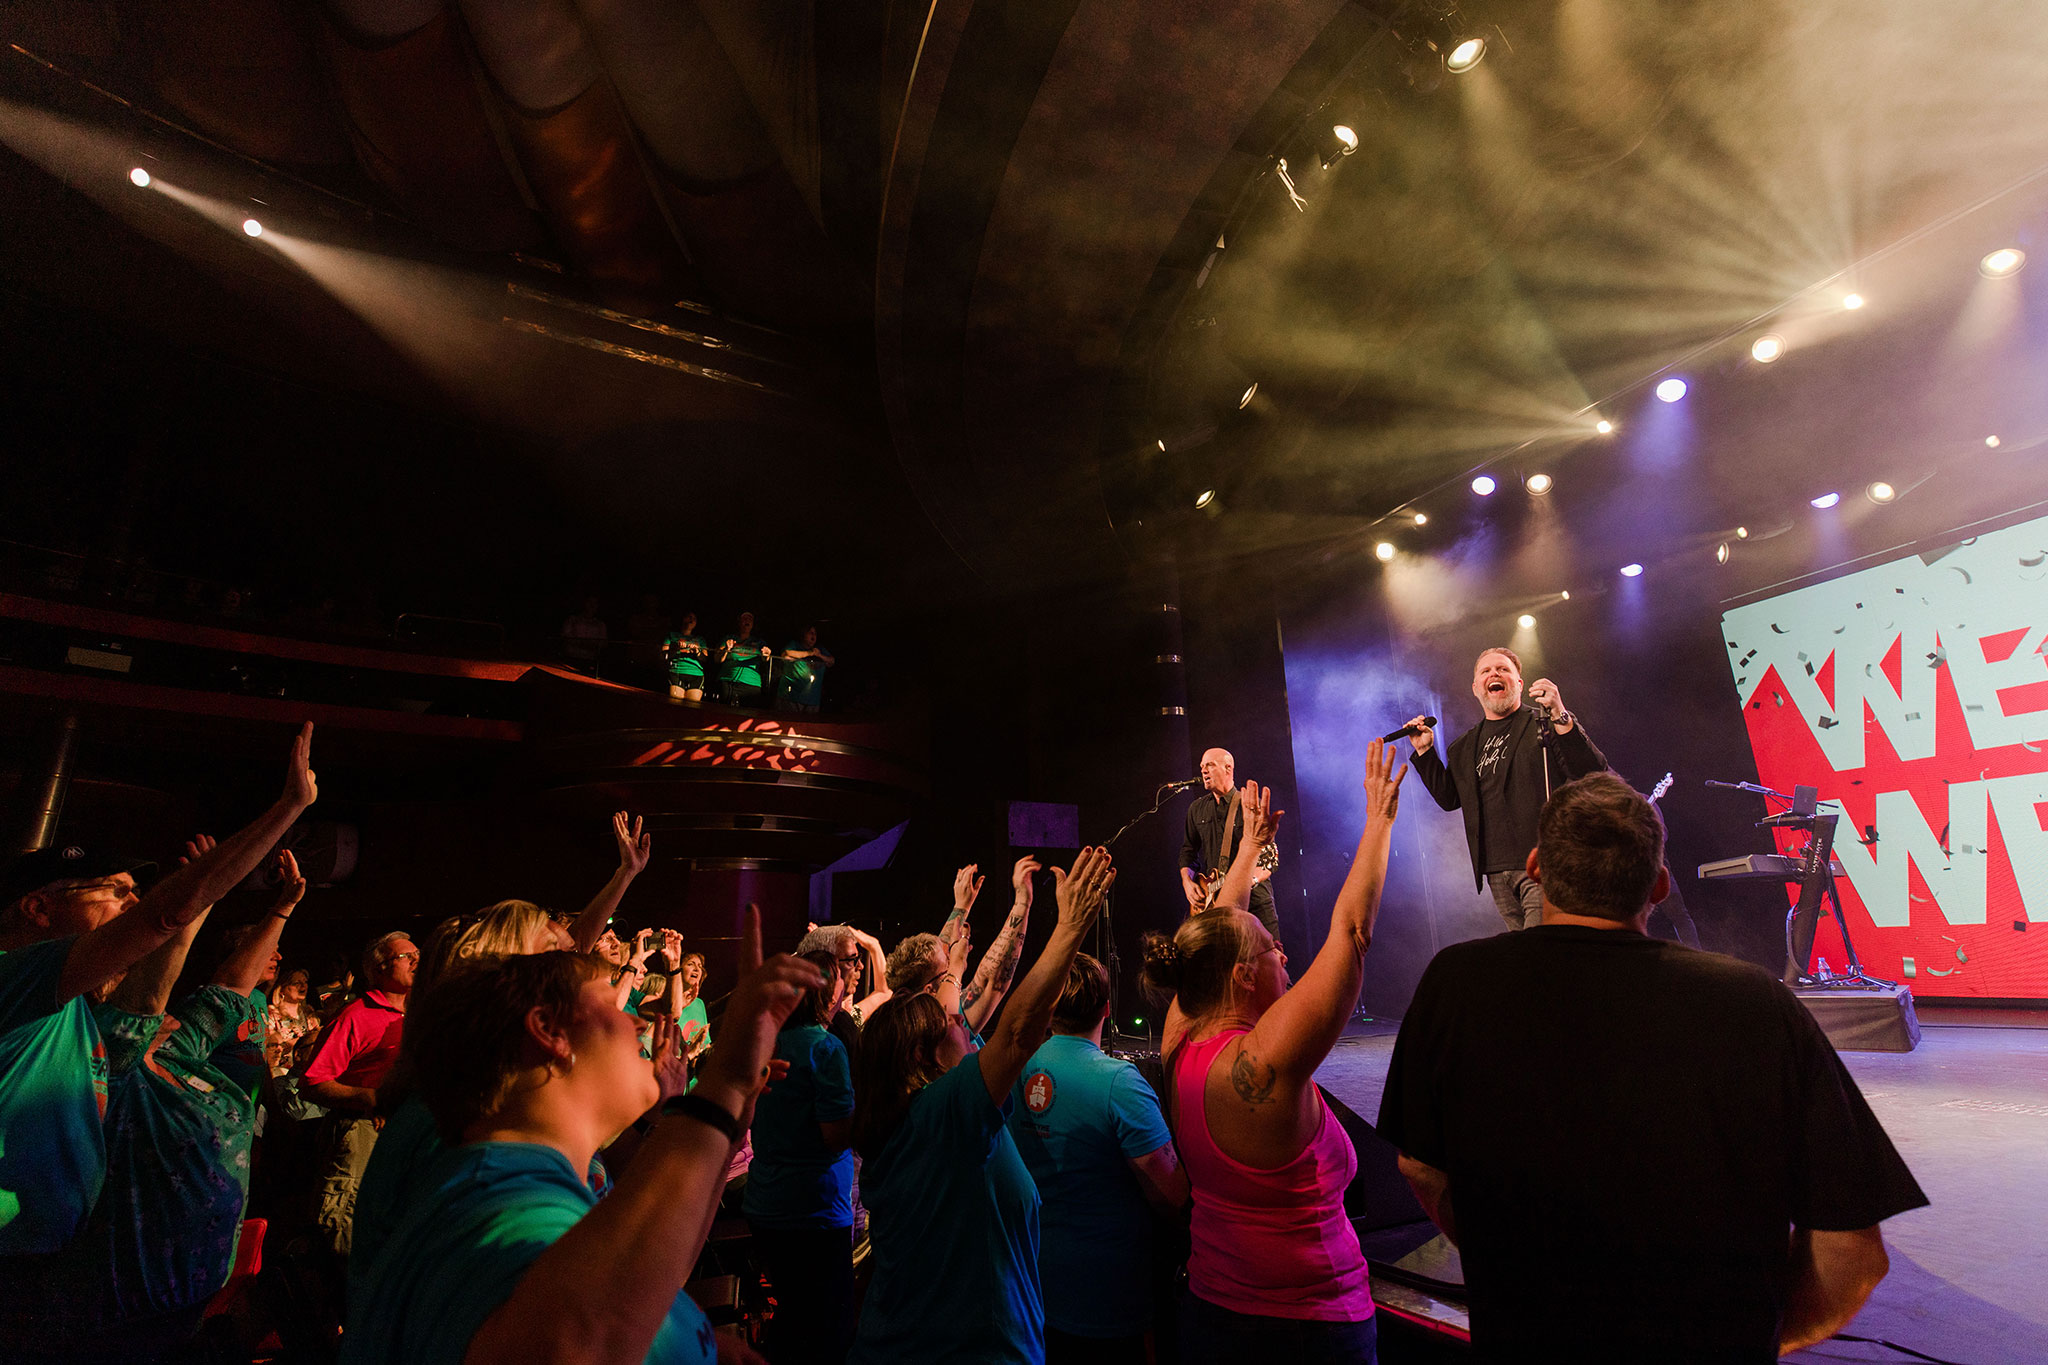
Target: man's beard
{"x": 1500, "y": 705}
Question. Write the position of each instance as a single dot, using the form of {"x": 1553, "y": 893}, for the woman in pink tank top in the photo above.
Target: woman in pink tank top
{"x": 1276, "y": 1272}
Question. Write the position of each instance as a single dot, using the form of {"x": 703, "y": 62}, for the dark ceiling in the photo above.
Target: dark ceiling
{"x": 949, "y": 274}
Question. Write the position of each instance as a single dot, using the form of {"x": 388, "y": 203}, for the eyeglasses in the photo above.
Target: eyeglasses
{"x": 403, "y": 957}
{"x": 845, "y": 962}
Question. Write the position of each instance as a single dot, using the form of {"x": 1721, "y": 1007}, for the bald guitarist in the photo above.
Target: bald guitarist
{"x": 1215, "y": 827}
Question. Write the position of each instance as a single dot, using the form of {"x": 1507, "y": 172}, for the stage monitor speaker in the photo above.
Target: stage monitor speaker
{"x": 1378, "y": 1196}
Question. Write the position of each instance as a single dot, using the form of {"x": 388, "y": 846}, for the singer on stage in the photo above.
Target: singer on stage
{"x": 1215, "y": 825}
{"x": 1500, "y": 773}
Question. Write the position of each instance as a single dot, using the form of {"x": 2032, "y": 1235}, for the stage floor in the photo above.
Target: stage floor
{"x": 1968, "y": 1110}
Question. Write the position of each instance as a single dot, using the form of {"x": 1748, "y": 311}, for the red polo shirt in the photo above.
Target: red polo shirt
{"x": 361, "y": 1046}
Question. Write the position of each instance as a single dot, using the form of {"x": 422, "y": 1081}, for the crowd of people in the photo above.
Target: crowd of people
{"x": 738, "y": 668}
{"x": 514, "y": 1137}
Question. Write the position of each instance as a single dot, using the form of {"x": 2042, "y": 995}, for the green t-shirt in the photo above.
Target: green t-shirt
{"x": 695, "y": 1023}
{"x": 803, "y": 680}
{"x": 744, "y": 664}
{"x": 53, "y": 1093}
{"x": 479, "y": 1218}
{"x": 686, "y": 655}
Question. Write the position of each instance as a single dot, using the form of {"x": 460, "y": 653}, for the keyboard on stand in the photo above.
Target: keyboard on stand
{"x": 1775, "y": 867}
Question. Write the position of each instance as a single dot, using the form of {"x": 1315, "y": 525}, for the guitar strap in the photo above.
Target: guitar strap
{"x": 1229, "y": 827}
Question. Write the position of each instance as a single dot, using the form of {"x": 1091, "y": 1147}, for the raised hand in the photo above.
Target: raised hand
{"x": 1021, "y": 875}
{"x": 1382, "y": 782}
{"x": 1261, "y": 821}
{"x": 300, "y": 788}
{"x": 672, "y": 949}
{"x": 671, "y": 1071}
{"x": 634, "y": 844}
{"x": 643, "y": 947}
{"x": 1423, "y": 737}
{"x": 750, "y": 938}
{"x": 196, "y": 847}
{"x": 1082, "y": 889}
{"x": 291, "y": 887}
{"x": 967, "y": 887}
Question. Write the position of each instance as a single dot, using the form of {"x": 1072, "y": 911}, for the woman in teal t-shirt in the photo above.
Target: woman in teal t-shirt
{"x": 530, "y": 1065}
{"x": 690, "y": 1014}
{"x": 955, "y": 1212}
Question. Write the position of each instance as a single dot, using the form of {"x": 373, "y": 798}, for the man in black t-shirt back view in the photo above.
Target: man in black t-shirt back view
{"x": 1673, "y": 1164}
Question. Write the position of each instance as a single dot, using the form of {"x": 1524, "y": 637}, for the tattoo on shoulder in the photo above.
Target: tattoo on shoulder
{"x": 1252, "y": 1079}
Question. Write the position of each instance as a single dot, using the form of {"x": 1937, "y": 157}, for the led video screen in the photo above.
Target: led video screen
{"x": 1915, "y": 695}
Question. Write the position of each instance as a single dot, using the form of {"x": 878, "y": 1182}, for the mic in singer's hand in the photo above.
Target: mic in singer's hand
{"x": 1427, "y": 722}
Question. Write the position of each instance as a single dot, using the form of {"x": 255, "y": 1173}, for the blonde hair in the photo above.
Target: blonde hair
{"x": 506, "y": 929}
{"x": 1197, "y": 964}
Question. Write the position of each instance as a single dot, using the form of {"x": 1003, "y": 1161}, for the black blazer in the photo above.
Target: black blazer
{"x": 1455, "y": 784}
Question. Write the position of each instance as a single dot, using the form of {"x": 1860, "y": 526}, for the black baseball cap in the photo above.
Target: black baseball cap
{"x": 63, "y": 863}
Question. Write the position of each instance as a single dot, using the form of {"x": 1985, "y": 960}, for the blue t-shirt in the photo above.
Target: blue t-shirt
{"x": 405, "y": 1152}
{"x": 955, "y": 1234}
{"x": 161, "y": 1238}
{"x": 480, "y": 1217}
{"x": 794, "y": 1182}
{"x": 1079, "y": 1117}
{"x": 53, "y": 1094}
{"x": 180, "y": 1123}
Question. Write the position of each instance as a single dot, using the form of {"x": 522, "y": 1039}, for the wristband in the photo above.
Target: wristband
{"x": 691, "y": 1106}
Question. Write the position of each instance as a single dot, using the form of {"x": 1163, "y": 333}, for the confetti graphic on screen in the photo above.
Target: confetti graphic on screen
{"x": 1916, "y": 695}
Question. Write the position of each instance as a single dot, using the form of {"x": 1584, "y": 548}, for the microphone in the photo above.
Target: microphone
{"x": 1427, "y": 722}
{"x": 1184, "y": 784}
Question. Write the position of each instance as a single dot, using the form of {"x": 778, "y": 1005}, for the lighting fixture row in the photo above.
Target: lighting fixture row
{"x": 142, "y": 180}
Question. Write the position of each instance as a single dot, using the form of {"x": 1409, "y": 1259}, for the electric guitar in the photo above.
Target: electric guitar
{"x": 1657, "y": 792}
{"x": 1210, "y": 883}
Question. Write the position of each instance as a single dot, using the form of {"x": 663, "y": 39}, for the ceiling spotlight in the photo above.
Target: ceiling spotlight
{"x": 1422, "y": 518}
{"x": 1539, "y": 484}
{"x": 1631, "y": 571}
{"x": 1766, "y": 348}
{"x": 1721, "y": 553}
{"x": 1525, "y": 621}
{"x": 252, "y": 227}
{"x": 1205, "y": 497}
{"x": 1484, "y": 485}
{"x": 2007, "y": 260}
{"x": 1464, "y": 56}
{"x": 1852, "y": 301}
{"x": 1880, "y": 492}
{"x": 1604, "y": 427}
{"x": 1991, "y": 441}
{"x": 1244, "y": 400}
{"x": 1742, "y": 533}
{"x": 1671, "y": 390}
{"x": 1161, "y": 445}
{"x": 1566, "y": 595}
{"x": 1345, "y": 135}
{"x": 1825, "y": 501}
{"x": 139, "y": 178}
{"x": 1384, "y": 550}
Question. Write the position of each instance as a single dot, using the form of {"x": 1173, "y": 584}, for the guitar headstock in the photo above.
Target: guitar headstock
{"x": 1657, "y": 792}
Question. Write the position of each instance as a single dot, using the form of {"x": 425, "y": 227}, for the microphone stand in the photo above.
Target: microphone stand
{"x": 1105, "y": 924}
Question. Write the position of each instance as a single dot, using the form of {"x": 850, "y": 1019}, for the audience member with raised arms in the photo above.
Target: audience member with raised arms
{"x": 1276, "y": 1271}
